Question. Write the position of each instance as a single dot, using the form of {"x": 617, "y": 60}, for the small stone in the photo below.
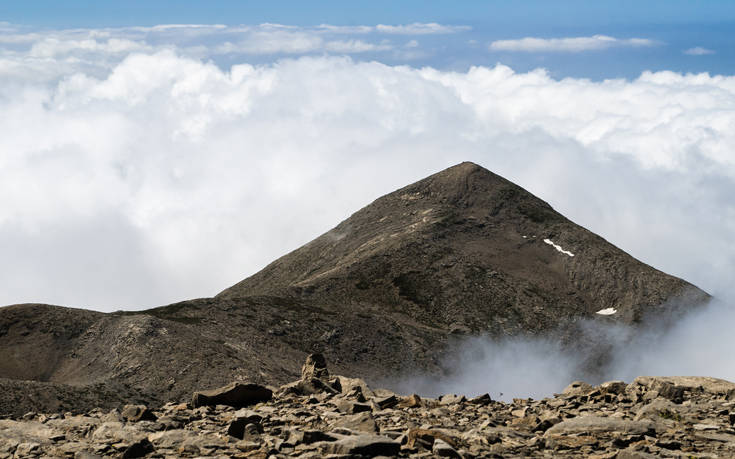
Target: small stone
{"x": 577, "y": 388}
{"x": 705, "y": 427}
{"x": 315, "y": 367}
{"x": 613, "y": 387}
{"x": 247, "y": 446}
{"x": 138, "y": 449}
{"x": 364, "y": 422}
{"x": 483, "y": 399}
{"x": 27, "y": 449}
{"x": 412, "y": 401}
{"x": 346, "y": 406}
{"x": 669, "y": 391}
{"x": 442, "y": 449}
{"x": 86, "y": 455}
{"x": 428, "y": 436}
{"x": 362, "y": 445}
{"x": 451, "y": 399}
{"x": 386, "y": 402}
{"x": 308, "y": 437}
{"x": 135, "y": 413}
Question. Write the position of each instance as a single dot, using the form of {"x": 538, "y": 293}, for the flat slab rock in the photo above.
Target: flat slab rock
{"x": 362, "y": 445}
{"x": 597, "y": 424}
{"x": 234, "y": 394}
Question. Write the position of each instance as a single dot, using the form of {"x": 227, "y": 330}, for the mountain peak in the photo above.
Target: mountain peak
{"x": 457, "y": 181}
{"x": 467, "y": 247}
{"x": 463, "y": 251}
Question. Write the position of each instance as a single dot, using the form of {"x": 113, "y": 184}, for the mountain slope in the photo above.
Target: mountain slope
{"x": 383, "y": 293}
{"x": 466, "y": 247}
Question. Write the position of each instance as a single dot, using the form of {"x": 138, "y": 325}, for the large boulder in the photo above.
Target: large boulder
{"x": 701, "y": 384}
{"x": 235, "y": 394}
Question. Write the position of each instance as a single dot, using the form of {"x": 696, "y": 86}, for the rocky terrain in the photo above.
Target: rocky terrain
{"x": 321, "y": 415}
{"x": 462, "y": 252}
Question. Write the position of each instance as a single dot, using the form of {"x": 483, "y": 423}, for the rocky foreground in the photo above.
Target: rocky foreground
{"x": 324, "y": 416}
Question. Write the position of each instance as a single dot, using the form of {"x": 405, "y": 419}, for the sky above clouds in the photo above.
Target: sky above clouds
{"x": 151, "y": 154}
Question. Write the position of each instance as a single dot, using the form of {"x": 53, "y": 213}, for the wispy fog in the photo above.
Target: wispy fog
{"x": 699, "y": 344}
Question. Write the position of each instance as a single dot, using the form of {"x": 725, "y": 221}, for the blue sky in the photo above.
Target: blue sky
{"x": 561, "y": 13}
{"x": 674, "y": 25}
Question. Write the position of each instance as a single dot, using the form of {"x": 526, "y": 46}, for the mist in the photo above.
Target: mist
{"x": 699, "y": 343}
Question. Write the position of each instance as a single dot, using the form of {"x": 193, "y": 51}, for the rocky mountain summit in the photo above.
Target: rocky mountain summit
{"x": 321, "y": 415}
{"x": 465, "y": 248}
{"x": 462, "y": 252}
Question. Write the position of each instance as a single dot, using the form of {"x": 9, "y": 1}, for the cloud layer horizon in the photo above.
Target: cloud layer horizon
{"x": 135, "y": 174}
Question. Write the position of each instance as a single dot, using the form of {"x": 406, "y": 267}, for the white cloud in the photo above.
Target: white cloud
{"x": 417, "y": 28}
{"x": 50, "y": 47}
{"x": 355, "y": 46}
{"x": 698, "y": 51}
{"x": 102, "y": 47}
{"x": 570, "y": 44}
{"x": 150, "y": 176}
{"x": 276, "y": 41}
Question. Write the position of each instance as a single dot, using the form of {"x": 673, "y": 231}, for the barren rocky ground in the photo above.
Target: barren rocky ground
{"x": 333, "y": 416}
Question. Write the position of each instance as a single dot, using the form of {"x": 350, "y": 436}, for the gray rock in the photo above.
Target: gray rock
{"x": 315, "y": 367}
{"x": 703, "y": 384}
{"x": 613, "y": 387}
{"x": 660, "y": 408}
{"x": 27, "y": 449}
{"x": 451, "y": 399}
{"x": 138, "y": 449}
{"x": 234, "y": 394}
{"x": 298, "y": 436}
{"x": 633, "y": 454}
{"x": 386, "y": 402}
{"x": 135, "y": 413}
{"x": 243, "y": 429}
{"x": 364, "y": 422}
{"x": 86, "y": 455}
{"x": 577, "y": 388}
{"x": 362, "y": 445}
{"x": 442, "y": 449}
{"x": 346, "y": 406}
{"x": 596, "y": 424}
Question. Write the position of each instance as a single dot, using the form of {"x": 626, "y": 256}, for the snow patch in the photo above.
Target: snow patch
{"x": 558, "y": 247}
{"x": 607, "y": 311}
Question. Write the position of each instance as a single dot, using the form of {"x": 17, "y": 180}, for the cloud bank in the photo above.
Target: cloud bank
{"x": 518, "y": 367}
{"x": 569, "y": 44}
{"x": 134, "y": 174}
{"x": 202, "y": 40}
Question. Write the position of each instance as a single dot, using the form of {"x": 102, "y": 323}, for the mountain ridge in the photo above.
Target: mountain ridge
{"x": 463, "y": 251}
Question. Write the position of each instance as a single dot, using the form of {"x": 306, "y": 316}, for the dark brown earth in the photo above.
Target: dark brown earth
{"x": 382, "y": 294}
